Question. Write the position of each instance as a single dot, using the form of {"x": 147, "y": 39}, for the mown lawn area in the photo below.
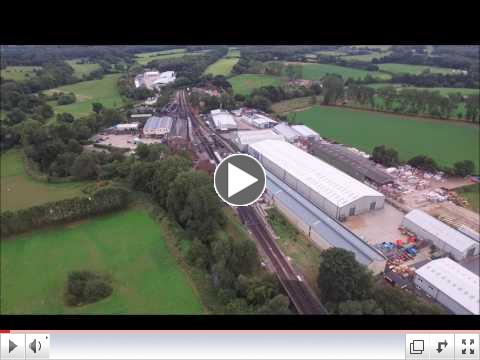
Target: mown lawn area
{"x": 128, "y": 246}
{"x": 18, "y": 73}
{"x": 104, "y": 91}
{"x": 446, "y": 142}
{"x": 222, "y": 67}
{"x": 18, "y": 190}
{"x": 245, "y": 83}
{"x": 82, "y": 69}
{"x": 412, "y": 69}
{"x": 472, "y": 194}
{"x": 286, "y": 106}
{"x": 318, "y": 71}
{"x": 443, "y": 90}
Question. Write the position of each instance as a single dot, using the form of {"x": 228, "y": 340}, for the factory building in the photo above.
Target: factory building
{"x": 306, "y": 133}
{"x": 158, "y": 126}
{"x": 223, "y": 120}
{"x": 334, "y": 192}
{"x": 154, "y": 79}
{"x": 258, "y": 120}
{"x": 287, "y": 132}
{"x": 317, "y": 226}
{"x": 444, "y": 237}
{"x": 247, "y": 137}
{"x": 450, "y": 284}
{"x": 352, "y": 163}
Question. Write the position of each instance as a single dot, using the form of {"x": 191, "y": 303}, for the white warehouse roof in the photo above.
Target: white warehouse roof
{"x": 286, "y": 131}
{"x": 442, "y": 231}
{"x": 223, "y": 120}
{"x": 251, "y": 136}
{"x": 455, "y": 281}
{"x": 305, "y": 131}
{"x": 336, "y": 186}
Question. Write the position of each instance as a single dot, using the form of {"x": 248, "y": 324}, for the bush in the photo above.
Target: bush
{"x": 66, "y": 99}
{"x": 86, "y": 287}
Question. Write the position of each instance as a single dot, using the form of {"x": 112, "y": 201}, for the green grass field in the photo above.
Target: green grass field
{"x": 233, "y": 52}
{"x": 443, "y": 90}
{"x": 18, "y": 190}
{"x": 331, "y": 53}
{"x": 318, "y": 71}
{"x": 245, "y": 83}
{"x": 222, "y": 67}
{"x": 104, "y": 91}
{"x": 286, "y": 106}
{"x": 366, "y": 57}
{"x": 472, "y": 194}
{"x": 145, "y": 58}
{"x": 129, "y": 246}
{"x": 82, "y": 69}
{"x": 18, "y": 73}
{"x": 446, "y": 142}
{"x": 412, "y": 69}
{"x": 382, "y": 47}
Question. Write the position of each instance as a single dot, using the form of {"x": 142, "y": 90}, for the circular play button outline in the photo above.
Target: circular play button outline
{"x": 223, "y": 168}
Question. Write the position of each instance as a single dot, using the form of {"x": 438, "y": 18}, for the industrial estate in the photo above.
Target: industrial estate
{"x": 112, "y": 194}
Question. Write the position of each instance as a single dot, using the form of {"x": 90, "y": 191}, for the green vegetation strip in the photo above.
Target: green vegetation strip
{"x": 222, "y": 67}
{"x": 444, "y": 141}
{"x": 412, "y": 69}
{"x": 18, "y": 190}
{"x": 472, "y": 194}
{"x": 245, "y": 83}
{"x": 104, "y": 91}
{"x": 18, "y": 73}
{"x": 82, "y": 69}
{"x": 128, "y": 246}
{"x": 318, "y": 71}
{"x": 443, "y": 90}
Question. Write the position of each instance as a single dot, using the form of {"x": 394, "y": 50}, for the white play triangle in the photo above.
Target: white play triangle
{"x": 238, "y": 180}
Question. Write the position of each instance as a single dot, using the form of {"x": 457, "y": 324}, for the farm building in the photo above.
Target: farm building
{"x": 450, "y": 284}
{"x": 286, "y": 131}
{"x": 353, "y": 164}
{"x": 158, "y": 126}
{"x": 444, "y": 237}
{"x": 223, "y": 120}
{"x": 320, "y": 228}
{"x": 246, "y": 137}
{"x": 334, "y": 192}
{"x": 306, "y": 133}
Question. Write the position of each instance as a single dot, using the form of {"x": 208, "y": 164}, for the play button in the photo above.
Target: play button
{"x": 239, "y": 180}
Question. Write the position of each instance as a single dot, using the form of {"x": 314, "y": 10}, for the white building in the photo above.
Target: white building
{"x": 247, "y": 137}
{"x": 154, "y": 79}
{"x": 286, "y": 131}
{"x": 444, "y": 237}
{"x": 305, "y": 132}
{"x": 158, "y": 126}
{"x": 223, "y": 120}
{"x": 331, "y": 190}
{"x": 127, "y": 127}
{"x": 451, "y": 285}
{"x": 258, "y": 120}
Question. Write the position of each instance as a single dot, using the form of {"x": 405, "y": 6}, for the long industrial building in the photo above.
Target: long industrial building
{"x": 247, "y": 137}
{"x": 223, "y": 120}
{"x": 444, "y": 237}
{"x": 321, "y": 229}
{"x": 287, "y": 132}
{"x": 334, "y": 192}
{"x": 353, "y": 164}
{"x": 450, "y": 284}
{"x": 158, "y": 126}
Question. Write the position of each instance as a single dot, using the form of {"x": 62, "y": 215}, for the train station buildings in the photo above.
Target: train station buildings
{"x": 334, "y": 192}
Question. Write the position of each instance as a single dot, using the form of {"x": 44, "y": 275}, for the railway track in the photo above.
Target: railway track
{"x": 299, "y": 293}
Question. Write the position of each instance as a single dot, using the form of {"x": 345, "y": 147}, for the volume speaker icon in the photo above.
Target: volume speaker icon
{"x": 35, "y": 346}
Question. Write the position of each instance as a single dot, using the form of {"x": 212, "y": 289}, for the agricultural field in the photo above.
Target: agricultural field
{"x": 331, "y": 53}
{"x": 128, "y": 246}
{"x": 104, "y": 91}
{"x": 82, "y": 69}
{"x": 245, "y": 83}
{"x": 18, "y": 190}
{"x": 381, "y": 47}
{"x": 286, "y": 106}
{"x": 366, "y": 57}
{"x": 412, "y": 69}
{"x": 446, "y": 142}
{"x": 318, "y": 71}
{"x": 222, "y": 66}
{"x": 145, "y": 58}
{"x": 443, "y": 90}
{"x": 472, "y": 194}
{"x": 18, "y": 73}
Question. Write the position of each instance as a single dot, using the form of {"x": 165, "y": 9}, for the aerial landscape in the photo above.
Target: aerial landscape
{"x": 371, "y": 157}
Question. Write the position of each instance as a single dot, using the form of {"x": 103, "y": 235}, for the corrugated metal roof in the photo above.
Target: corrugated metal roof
{"x": 329, "y": 229}
{"x": 447, "y": 234}
{"x": 223, "y": 120}
{"x": 251, "y": 136}
{"x": 156, "y": 122}
{"x": 305, "y": 131}
{"x": 455, "y": 281}
{"x": 336, "y": 186}
{"x": 339, "y": 153}
{"x": 286, "y": 131}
